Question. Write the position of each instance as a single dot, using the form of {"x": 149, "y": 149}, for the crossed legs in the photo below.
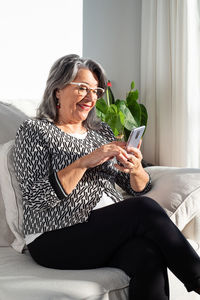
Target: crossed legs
{"x": 135, "y": 235}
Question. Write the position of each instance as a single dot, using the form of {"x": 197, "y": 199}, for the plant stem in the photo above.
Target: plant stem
{"x": 107, "y": 96}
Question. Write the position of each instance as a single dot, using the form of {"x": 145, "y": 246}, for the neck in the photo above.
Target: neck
{"x": 71, "y": 128}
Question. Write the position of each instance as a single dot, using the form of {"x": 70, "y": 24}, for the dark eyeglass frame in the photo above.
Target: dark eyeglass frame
{"x": 97, "y": 92}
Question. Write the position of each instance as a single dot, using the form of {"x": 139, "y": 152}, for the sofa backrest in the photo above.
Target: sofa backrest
{"x": 10, "y": 119}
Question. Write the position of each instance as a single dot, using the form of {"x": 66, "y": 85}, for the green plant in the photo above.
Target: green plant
{"x": 122, "y": 115}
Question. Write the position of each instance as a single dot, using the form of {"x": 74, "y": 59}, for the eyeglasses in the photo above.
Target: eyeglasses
{"x": 84, "y": 90}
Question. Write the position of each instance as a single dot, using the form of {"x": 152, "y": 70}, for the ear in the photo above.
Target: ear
{"x": 57, "y": 93}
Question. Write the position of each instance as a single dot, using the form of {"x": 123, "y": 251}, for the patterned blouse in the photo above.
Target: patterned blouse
{"x": 41, "y": 149}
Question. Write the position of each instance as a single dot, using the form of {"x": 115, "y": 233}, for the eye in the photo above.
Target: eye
{"x": 83, "y": 88}
{"x": 100, "y": 92}
{"x": 95, "y": 91}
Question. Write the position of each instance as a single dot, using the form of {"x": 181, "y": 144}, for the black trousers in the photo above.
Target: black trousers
{"x": 135, "y": 235}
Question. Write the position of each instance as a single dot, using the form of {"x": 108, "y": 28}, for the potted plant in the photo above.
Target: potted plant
{"x": 122, "y": 115}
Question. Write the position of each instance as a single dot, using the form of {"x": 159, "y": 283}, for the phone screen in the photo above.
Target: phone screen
{"x": 135, "y": 136}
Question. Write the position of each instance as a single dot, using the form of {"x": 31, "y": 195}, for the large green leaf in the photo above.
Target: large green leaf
{"x": 120, "y": 104}
{"x": 130, "y": 121}
{"x": 101, "y": 105}
{"x": 115, "y": 119}
{"x": 122, "y": 117}
{"x": 100, "y": 115}
{"x": 115, "y": 123}
{"x": 113, "y": 108}
{"x": 135, "y": 110}
{"x": 126, "y": 134}
{"x": 132, "y": 97}
{"x": 144, "y": 115}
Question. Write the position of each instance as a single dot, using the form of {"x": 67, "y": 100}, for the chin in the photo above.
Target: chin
{"x": 83, "y": 117}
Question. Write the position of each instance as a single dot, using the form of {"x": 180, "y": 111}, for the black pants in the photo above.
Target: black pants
{"x": 135, "y": 235}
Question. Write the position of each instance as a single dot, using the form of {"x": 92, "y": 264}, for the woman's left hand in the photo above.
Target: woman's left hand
{"x": 131, "y": 164}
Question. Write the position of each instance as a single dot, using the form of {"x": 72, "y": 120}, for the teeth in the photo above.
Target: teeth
{"x": 85, "y": 105}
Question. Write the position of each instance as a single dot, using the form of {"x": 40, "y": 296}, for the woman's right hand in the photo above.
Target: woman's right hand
{"x": 72, "y": 174}
{"x": 103, "y": 154}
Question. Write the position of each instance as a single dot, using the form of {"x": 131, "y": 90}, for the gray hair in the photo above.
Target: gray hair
{"x": 63, "y": 71}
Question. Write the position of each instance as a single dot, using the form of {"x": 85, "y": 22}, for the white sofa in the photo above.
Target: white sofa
{"x": 176, "y": 189}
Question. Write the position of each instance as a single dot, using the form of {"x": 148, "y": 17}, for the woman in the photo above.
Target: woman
{"x": 67, "y": 163}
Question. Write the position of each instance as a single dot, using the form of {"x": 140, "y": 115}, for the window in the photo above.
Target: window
{"x": 33, "y": 35}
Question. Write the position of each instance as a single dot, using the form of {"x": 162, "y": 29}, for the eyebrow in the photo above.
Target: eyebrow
{"x": 87, "y": 83}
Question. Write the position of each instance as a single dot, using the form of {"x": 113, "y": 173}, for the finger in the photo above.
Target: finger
{"x": 116, "y": 145}
{"x": 120, "y": 144}
{"x": 134, "y": 162}
{"x": 140, "y": 143}
{"x": 121, "y": 168}
{"x": 135, "y": 151}
{"x": 122, "y": 158}
{"x": 129, "y": 164}
{"x": 111, "y": 150}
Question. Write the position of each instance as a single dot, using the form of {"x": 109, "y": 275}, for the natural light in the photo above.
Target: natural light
{"x": 33, "y": 35}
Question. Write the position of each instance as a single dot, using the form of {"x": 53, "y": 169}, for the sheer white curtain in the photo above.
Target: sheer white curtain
{"x": 170, "y": 81}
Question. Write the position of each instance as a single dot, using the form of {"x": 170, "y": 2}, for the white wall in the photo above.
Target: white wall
{"x": 111, "y": 35}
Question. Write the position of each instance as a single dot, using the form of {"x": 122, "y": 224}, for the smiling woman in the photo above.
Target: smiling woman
{"x": 65, "y": 104}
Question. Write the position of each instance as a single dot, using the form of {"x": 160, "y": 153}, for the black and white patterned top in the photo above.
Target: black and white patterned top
{"x": 41, "y": 149}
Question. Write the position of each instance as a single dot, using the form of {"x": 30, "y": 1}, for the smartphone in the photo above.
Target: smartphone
{"x": 135, "y": 136}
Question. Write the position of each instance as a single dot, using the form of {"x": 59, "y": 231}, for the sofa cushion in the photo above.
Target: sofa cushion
{"x": 12, "y": 197}
{"x": 21, "y": 279}
{"x": 10, "y": 119}
{"x": 6, "y": 236}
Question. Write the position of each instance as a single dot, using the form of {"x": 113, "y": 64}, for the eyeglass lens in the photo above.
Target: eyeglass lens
{"x": 84, "y": 90}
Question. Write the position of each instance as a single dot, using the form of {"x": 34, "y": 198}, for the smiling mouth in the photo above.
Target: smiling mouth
{"x": 85, "y": 106}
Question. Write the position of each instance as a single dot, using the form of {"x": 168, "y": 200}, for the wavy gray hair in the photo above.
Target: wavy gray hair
{"x": 63, "y": 71}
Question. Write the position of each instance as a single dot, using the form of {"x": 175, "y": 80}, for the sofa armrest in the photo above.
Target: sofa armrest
{"x": 192, "y": 229}
{"x": 177, "y": 190}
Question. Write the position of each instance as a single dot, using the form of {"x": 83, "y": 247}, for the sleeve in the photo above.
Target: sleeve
{"x": 123, "y": 180}
{"x": 32, "y": 166}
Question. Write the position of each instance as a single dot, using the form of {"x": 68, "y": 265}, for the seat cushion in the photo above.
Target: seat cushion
{"x": 21, "y": 279}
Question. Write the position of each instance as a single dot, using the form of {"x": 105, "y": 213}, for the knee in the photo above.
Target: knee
{"x": 148, "y": 205}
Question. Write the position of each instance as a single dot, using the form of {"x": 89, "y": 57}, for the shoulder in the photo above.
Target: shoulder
{"x": 31, "y": 134}
{"x": 34, "y": 126}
